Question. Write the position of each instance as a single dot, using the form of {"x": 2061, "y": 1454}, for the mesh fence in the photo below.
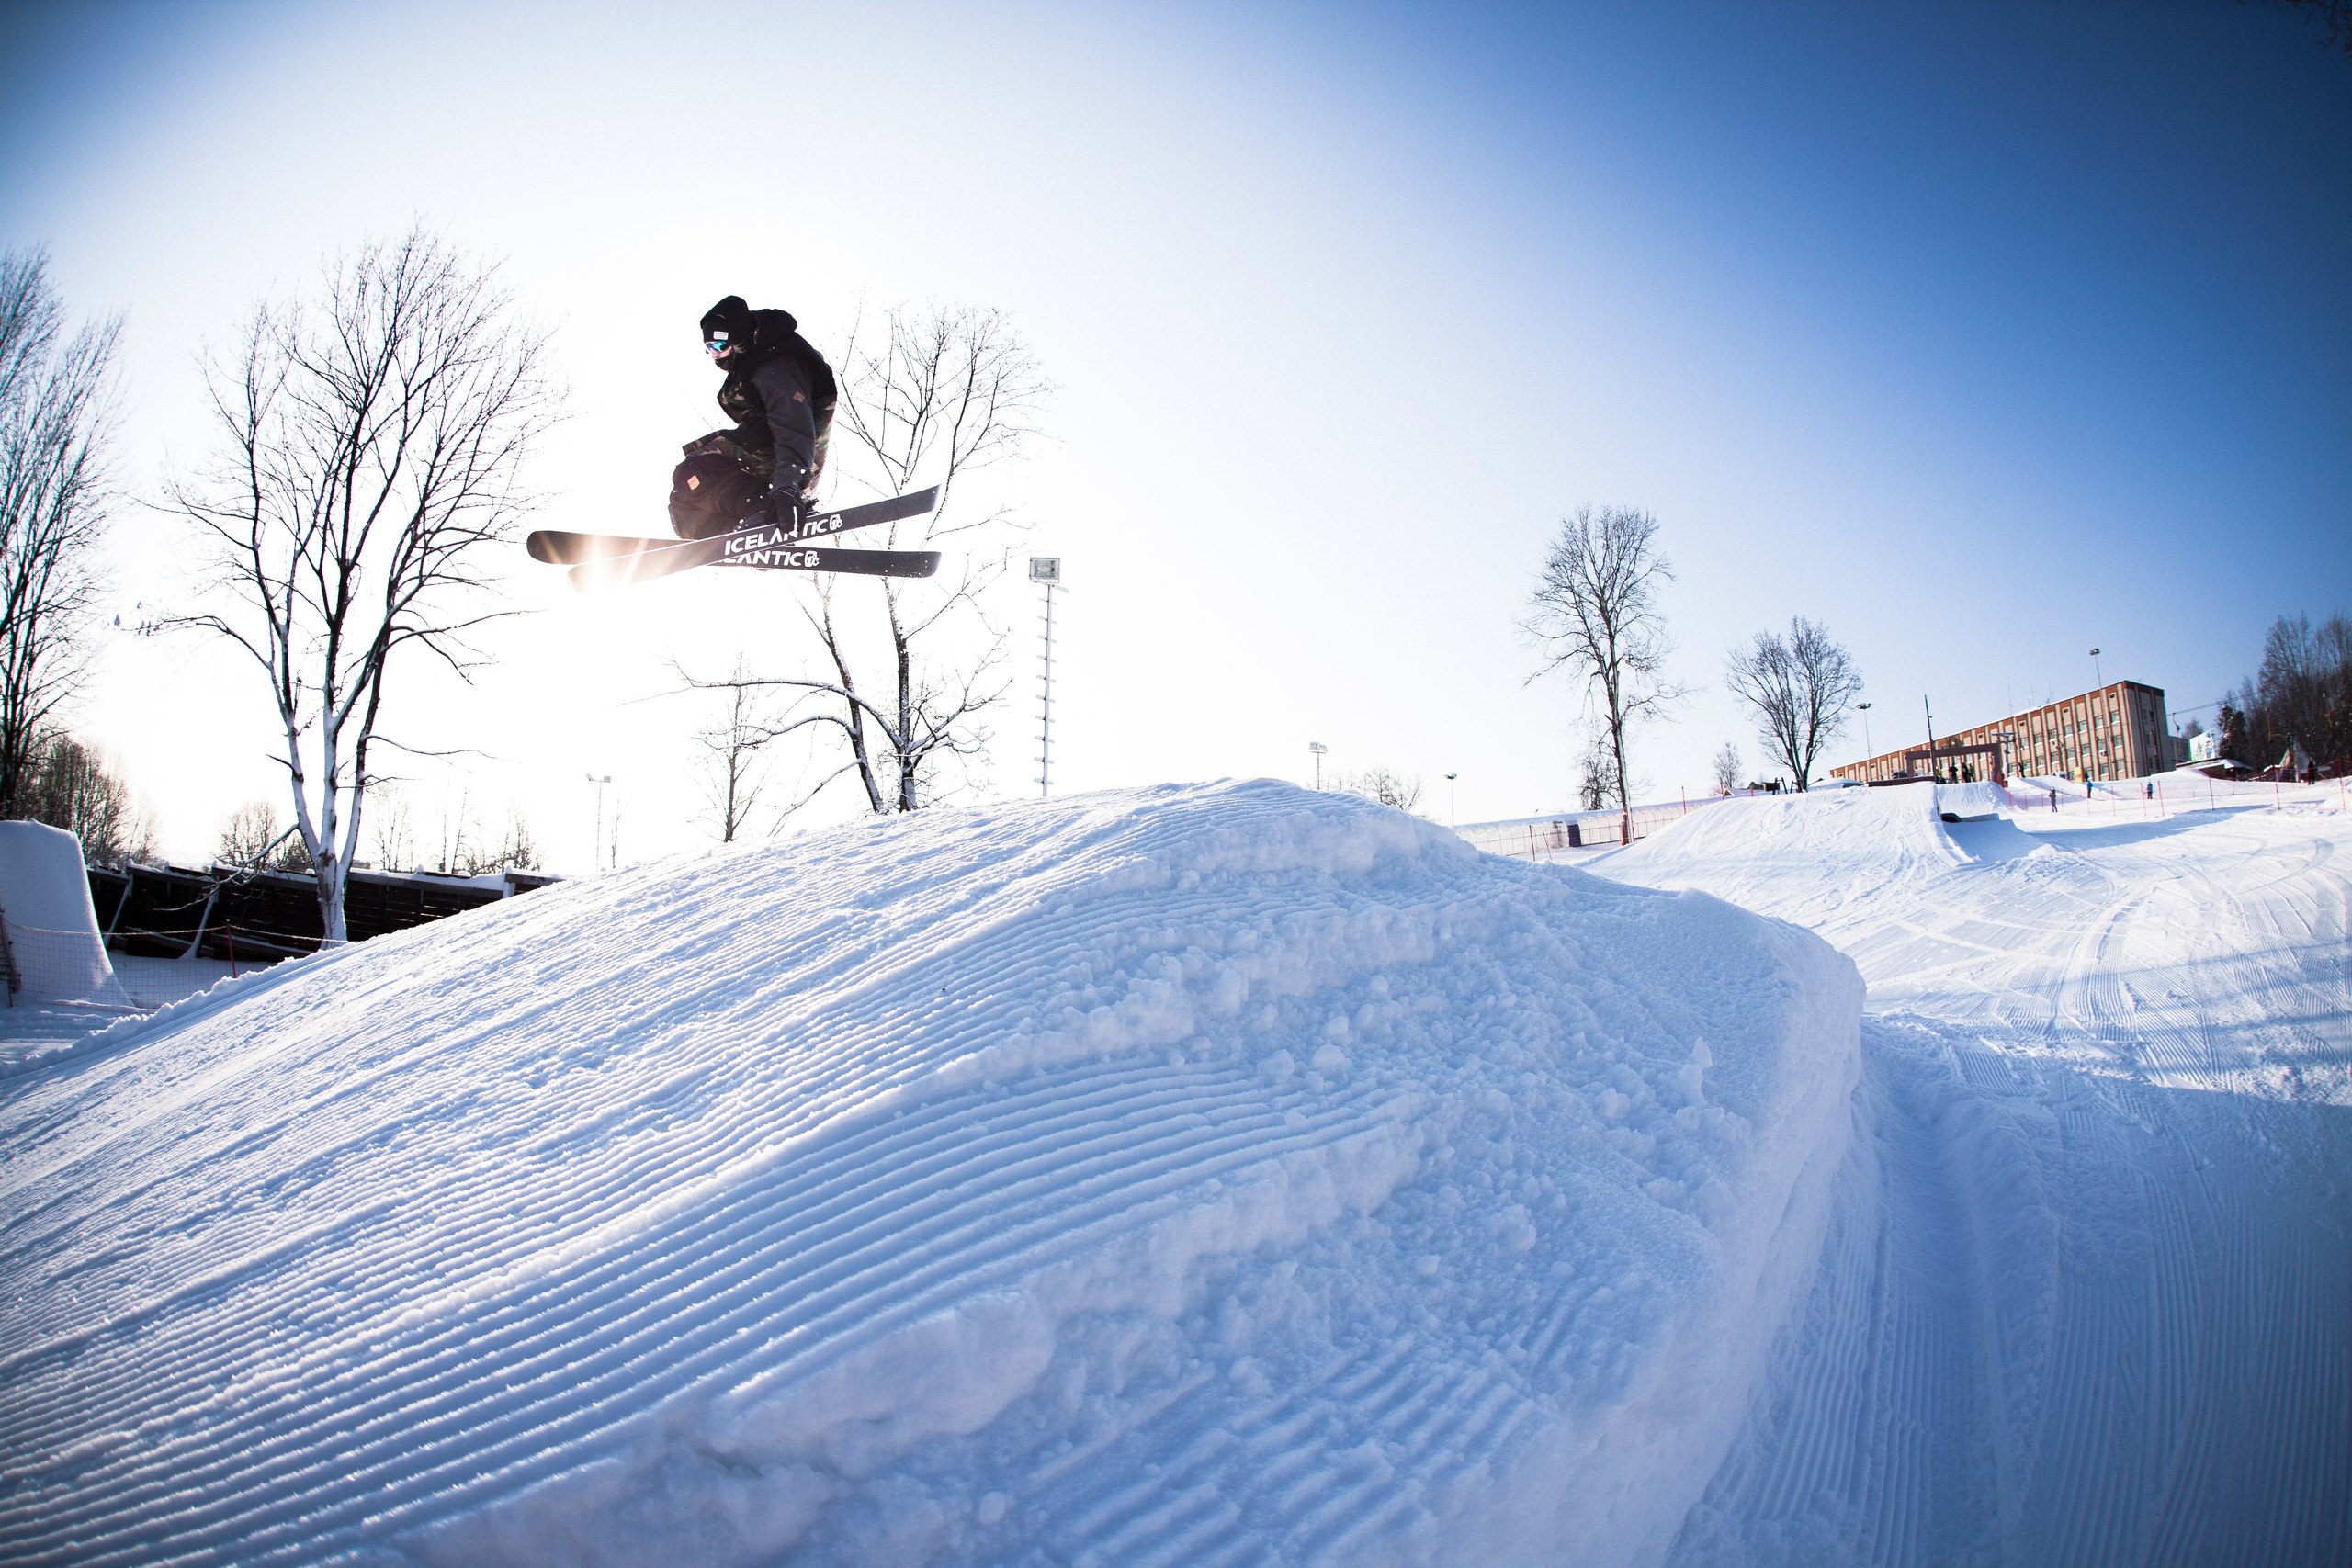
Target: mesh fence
{"x": 49, "y": 968}
{"x": 1567, "y": 834}
{"x": 2168, "y": 795}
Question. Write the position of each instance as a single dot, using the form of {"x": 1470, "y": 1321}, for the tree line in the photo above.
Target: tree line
{"x": 2295, "y": 711}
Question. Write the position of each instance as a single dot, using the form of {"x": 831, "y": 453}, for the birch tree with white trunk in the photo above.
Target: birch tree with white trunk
{"x": 369, "y": 440}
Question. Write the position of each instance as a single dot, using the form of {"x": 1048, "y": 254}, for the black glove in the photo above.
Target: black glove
{"x": 786, "y": 507}
{"x": 779, "y": 510}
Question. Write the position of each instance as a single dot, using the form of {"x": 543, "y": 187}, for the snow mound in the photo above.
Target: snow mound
{"x": 1982, "y": 798}
{"x": 1163, "y": 1176}
{"x": 1849, "y": 844}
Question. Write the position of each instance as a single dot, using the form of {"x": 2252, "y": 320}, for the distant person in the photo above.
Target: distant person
{"x": 2053, "y": 800}
{"x": 780, "y": 393}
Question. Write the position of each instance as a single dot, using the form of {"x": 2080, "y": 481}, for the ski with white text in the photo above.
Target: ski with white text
{"x": 560, "y": 547}
{"x": 762, "y": 550}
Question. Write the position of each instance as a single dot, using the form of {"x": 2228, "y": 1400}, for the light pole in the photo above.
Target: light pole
{"x": 1046, "y": 569}
{"x": 596, "y": 845}
{"x": 2097, "y": 674}
{"x": 1319, "y": 750}
{"x": 1867, "y": 750}
{"x": 1450, "y": 812}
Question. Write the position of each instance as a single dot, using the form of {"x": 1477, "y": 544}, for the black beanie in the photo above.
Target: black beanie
{"x": 729, "y": 317}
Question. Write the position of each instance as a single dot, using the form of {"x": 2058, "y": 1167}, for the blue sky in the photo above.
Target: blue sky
{"x": 1984, "y": 334}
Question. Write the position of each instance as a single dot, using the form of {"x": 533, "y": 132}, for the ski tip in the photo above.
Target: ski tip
{"x": 541, "y": 545}
{"x": 592, "y": 575}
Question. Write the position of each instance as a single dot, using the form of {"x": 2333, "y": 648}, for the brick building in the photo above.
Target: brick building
{"x": 2115, "y": 732}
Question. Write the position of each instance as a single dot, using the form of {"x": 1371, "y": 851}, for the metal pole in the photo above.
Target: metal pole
{"x": 596, "y": 845}
{"x": 1046, "y": 569}
{"x": 1934, "y": 763}
{"x": 1045, "y": 712}
{"x": 1450, "y": 813}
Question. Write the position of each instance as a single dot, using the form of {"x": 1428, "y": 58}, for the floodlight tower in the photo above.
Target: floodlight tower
{"x": 1320, "y": 750}
{"x": 1047, "y": 571}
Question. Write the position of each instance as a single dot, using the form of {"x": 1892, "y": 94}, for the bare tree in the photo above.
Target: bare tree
{"x": 392, "y": 825}
{"x": 1801, "y": 687}
{"x": 55, "y": 405}
{"x": 71, "y": 787}
{"x": 2334, "y": 16}
{"x": 2301, "y": 696}
{"x": 476, "y": 856}
{"x": 1595, "y": 614}
{"x": 256, "y": 839}
{"x": 1727, "y": 769}
{"x": 905, "y": 669}
{"x": 369, "y": 447}
{"x": 1597, "y": 777}
{"x": 734, "y": 776}
{"x": 1386, "y": 785}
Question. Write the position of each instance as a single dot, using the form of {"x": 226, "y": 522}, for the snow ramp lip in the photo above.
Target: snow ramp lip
{"x": 1873, "y": 833}
{"x": 1122, "y": 1174}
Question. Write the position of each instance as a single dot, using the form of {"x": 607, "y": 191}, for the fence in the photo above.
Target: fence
{"x": 1565, "y": 834}
{"x": 1569, "y": 834}
{"x": 48, "y": 968}
{"x": 2167, "y": 795}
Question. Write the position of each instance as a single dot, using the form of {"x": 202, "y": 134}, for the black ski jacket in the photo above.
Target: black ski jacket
{"x": 780, "y": 393}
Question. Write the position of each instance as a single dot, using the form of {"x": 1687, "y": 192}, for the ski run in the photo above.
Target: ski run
{"x": 1236, "y": 1174}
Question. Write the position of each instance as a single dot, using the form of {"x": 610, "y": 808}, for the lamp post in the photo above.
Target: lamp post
{"x": 2097, "y": 674}
{"x": 1449, "y": 799}
{"x": 1319, "y": 750}
{"x": 1868, "y": 751}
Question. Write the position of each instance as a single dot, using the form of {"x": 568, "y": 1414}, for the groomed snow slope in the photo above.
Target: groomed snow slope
{"x": 2087, "y": 1296}
{"x": 1187, "y": 1176}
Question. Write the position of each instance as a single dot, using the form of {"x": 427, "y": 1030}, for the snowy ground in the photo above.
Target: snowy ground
{"x": 33, "y": 1033}
{"x": 1226, "y": 1174}
{"x": 1230, "y": 1175}
{"x": 2088, "y": 1296}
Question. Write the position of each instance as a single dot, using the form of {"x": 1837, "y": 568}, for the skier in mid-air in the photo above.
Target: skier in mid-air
{"x": 746, "y": 496}
{"x": 780, "y": 393}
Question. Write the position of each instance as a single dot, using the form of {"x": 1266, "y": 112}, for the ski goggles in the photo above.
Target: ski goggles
{"x": 716, "y": 346}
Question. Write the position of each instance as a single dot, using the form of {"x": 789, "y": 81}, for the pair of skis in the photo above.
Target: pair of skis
{"x": 614, "y": 560}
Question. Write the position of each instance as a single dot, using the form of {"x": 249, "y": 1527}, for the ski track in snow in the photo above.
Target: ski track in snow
{"x": 1219, "y": 1174}
{"x": 2087, "y": 1296}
